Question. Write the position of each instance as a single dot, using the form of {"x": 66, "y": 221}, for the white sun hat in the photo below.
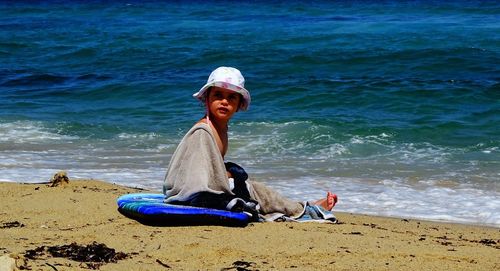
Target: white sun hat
{"x": 227, "y": 78}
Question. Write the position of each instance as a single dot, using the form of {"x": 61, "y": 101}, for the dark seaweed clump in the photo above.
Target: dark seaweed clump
{"x": 13, "y": 224}
{"x": 93, "y": 253}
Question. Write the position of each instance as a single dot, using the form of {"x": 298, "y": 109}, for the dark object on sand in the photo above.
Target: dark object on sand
{"x": 13, "y": 224}
{"x": 90, "y": 254}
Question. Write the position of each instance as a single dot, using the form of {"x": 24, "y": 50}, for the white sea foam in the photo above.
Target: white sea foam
{"x": 29, "y": 132}
{"x": 399, "y": 199}
{"x": 31, "y": 152}
{"x": 138, "y": 136}
{"x": 490, "y": 150}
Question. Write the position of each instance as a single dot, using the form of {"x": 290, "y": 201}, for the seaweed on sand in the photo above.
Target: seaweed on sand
{"x": 94, "y": 255}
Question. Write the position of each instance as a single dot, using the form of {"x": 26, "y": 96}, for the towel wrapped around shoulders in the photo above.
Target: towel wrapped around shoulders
{"x": 197, "y": 168}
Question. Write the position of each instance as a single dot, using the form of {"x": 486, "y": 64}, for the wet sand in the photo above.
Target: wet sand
{"x": 84, "y": 212}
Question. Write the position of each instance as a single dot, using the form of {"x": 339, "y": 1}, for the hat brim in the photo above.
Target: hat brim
{"x": 200, "y": 95}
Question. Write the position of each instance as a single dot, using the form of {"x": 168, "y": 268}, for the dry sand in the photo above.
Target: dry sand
{"x": 85, "y": 211}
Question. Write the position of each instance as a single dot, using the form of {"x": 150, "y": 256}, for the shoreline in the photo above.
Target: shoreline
{"x": 457, "y": 223}
{"x": 84, "y": 211}
{"x": 142, "y": 188}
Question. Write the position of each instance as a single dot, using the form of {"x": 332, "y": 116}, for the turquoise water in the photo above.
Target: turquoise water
{"x": 393, "y": 105}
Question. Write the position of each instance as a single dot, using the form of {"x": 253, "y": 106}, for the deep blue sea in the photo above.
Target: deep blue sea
{"x": 393, "y": 105}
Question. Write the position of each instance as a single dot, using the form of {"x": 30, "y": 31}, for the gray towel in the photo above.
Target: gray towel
{"x": 197, "y": 166}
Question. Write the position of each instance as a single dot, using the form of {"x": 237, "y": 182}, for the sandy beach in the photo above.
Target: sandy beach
{"x": 36, "y": 217}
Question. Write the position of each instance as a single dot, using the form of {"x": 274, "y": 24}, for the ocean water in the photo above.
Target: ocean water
{"x": 393, "y": 105}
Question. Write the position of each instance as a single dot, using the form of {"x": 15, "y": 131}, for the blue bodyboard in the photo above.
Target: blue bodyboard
{"x": 152, "y": 210}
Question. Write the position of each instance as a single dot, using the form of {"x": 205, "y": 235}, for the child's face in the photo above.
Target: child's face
{"x": 223, "y": 103}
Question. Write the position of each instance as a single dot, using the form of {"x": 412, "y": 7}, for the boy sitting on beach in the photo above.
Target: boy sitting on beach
{"x": 198, "y": 176}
